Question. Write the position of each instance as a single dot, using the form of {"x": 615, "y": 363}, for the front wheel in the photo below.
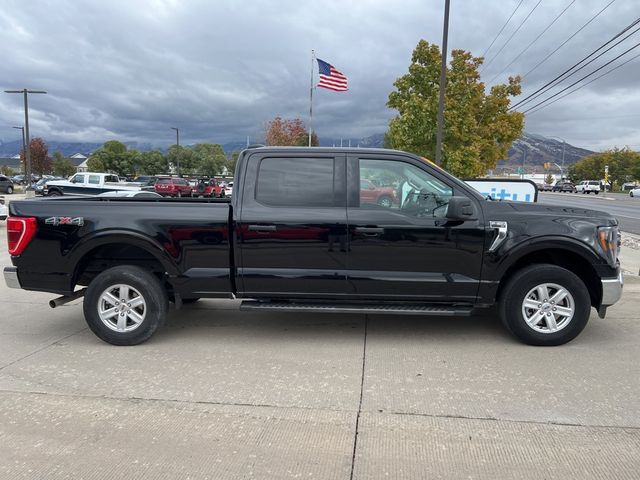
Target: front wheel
{"x": 9, "y": 189}
{"x": 125, "y": 305}
{"x": 545, "y": 305}
{"x": 596, "y": 192}
{"x": 385, "y": 202}
{"x": 54, "y": 193}
{"x": 631, "y": 194}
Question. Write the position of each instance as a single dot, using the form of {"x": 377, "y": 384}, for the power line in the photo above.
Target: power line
{"x": 559, "y": 78}
{"x": 503, "y": 27}
{"x": 568, "y": 39}
{"x": 589, "y": 82}
{"x": 586, "y": 76}
{"x": 534, "y": 40}
{"x": 513, "y": 34}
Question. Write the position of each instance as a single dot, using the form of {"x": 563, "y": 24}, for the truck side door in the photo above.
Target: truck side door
{"x": 291, "y": 231}
{"x": 405, "y": 248}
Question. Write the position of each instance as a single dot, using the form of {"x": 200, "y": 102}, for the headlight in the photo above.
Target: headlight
{"x": 609, "y": 243}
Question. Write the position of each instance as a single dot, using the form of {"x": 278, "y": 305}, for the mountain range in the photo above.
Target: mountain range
{"x": 539, "y": 149}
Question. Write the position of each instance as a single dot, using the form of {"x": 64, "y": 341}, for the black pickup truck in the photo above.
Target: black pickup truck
{"x": 321, "y": 230}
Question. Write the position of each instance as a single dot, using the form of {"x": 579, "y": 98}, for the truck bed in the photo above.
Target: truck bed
{"x": 188, "y": 238}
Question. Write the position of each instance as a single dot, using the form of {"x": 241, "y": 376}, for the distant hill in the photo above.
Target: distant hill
{"x": 8, "y": 149}
{"x": 539, "y": 149}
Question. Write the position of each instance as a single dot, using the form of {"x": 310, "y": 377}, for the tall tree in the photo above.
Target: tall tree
{"x": 623, "y": 163}
{"x": 40, "y": 160}
{"x": 210, "y": 158}
{"x": 152, "y": 162}
{"x": 478, "y": 128}
{"x": 284, "y": 132}
{"x": 184, "y": 157}
{"x": 62, "y": 166}
{"x": 114, "y": 157}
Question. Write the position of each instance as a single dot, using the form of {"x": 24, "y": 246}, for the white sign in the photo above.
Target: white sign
{"x": 516, "y": 190}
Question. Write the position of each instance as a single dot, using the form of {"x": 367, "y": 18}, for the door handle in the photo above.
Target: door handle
{"x": 370, "y": 231}
{"x": 262, "y": 228}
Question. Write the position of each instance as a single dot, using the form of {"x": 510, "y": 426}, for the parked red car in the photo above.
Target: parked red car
{"x": 208, "y": 188}
{"x": 172, "y": 187}
{"x": 383, "y": 196}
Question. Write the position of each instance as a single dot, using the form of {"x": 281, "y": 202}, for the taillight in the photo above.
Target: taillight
{"x": 20, "y": 231}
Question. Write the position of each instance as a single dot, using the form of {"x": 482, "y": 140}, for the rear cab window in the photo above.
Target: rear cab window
{"x": 297, "y": 182}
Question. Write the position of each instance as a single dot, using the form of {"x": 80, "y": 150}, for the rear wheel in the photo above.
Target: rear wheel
{"x": 10, "y": 189}
{"x": 545, "y": 305}
{"x": 54, "y": 193}
{"x": 125, "y": 305}
{"x": 596, "y": 192}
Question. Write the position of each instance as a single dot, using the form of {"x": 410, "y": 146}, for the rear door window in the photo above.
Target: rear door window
{"x": 297, "y": 182}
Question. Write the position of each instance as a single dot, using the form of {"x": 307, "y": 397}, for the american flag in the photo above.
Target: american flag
{"x": 330, "y": 77}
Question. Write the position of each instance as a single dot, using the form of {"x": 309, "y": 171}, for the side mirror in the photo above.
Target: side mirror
{"x": 460, "y": 208}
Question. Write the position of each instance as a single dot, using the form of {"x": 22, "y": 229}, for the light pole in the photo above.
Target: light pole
{"x": 27, "y": 150}
{"x": 564, "y": 144}
{"x": 524, "y": 157}
{"x": 561, "y": 170}
{"x": 24, "y": 148}
{"x": 178, "y": 145}
{"x": 443, "y": 84}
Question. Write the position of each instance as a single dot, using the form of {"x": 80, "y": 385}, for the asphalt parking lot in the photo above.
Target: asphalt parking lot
{"x": 224, "y": 394}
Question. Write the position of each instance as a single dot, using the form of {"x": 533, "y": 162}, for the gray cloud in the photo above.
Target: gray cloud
{"x": 219, "y": 70}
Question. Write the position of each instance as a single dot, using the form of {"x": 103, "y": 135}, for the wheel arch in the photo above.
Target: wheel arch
{"x": 110, "y": 248}
{"x": 577, "y": 260}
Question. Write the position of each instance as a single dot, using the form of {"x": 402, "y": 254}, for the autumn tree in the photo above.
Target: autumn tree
{"x": 40, "y": 160}
{"x": 623, "y": 163}
{"x": 284, "y": 132}
{"x": 62, "y": 166}
{"x": 478, "y": 128}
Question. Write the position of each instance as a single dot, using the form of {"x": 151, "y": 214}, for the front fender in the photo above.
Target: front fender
{"x": 510, "y": 253}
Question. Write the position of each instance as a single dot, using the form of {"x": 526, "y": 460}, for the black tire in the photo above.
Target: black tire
{"x": 10, "y": 189}
{"x": 596, "y": 192}
{"x": 522, "y": 282}
{"x": 54, "y": 193}
{"x": 385, "y": 201}
{"x": 150, "y": 289}
{"x": 631, "y": 194}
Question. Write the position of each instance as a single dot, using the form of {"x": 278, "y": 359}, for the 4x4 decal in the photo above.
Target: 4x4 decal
{"x": 55, "y": 221}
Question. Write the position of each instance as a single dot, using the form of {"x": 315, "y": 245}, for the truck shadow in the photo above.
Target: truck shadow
{"x": 201, "y": 320}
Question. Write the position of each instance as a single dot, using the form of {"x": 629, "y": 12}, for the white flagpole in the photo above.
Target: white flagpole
{"x": 311, "y": 98}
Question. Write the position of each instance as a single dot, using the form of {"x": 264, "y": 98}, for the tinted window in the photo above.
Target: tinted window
{"x": 163, "y": 181}
{"x": 110, "y": 178}
{"x": 300, "y": 182}
{"x": 78, "y": 179}
{"x": 402, "y": 187}
{"x": 3, "y": 179}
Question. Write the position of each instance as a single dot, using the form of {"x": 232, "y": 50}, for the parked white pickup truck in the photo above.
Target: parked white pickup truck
{"x": 588, "y": 186}
{"x": 88, "y": 183}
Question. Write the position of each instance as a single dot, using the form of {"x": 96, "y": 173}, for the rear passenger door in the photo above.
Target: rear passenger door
{"x": 292, "y": 228}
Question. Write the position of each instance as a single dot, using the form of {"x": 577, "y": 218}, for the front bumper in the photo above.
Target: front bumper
{"x": 11, "y": 277}
{"x": 611, "y": 290}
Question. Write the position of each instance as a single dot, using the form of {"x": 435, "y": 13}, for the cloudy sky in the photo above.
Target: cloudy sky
{"x": 131, "y": 69}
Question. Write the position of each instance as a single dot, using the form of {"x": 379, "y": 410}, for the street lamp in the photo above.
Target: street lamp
{"x": 178, "y": 145}
{"x": 564, "y": 144}
{"x": 524, "y": 158}
{"x": 27, "y": 151}
{"x": 24, "y": 147}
